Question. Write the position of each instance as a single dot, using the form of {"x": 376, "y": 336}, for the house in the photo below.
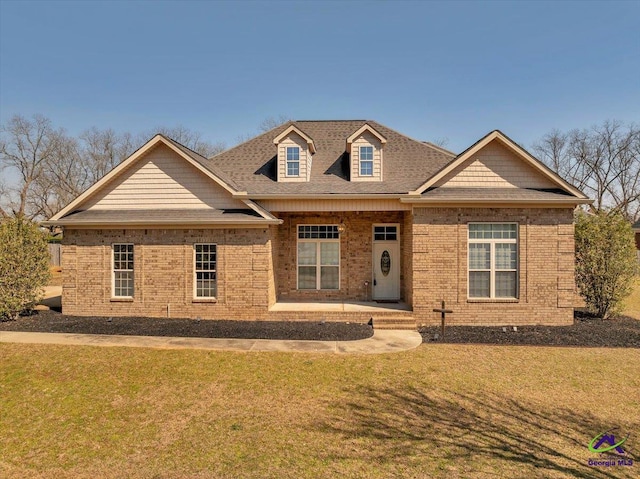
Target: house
{"x": 325, "y": 220}
{"x": 636, "y": 230}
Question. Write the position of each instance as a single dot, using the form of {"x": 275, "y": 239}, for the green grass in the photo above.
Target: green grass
{"x": 438, "y": 411}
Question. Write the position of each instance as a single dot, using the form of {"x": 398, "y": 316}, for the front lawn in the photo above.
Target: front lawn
{"x": 437, "y": 411}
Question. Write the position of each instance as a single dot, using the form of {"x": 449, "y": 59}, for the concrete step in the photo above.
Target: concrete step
{"x": 390, "y": 322}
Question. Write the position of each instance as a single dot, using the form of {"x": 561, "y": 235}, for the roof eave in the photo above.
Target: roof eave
{"x": 515, "y": 202}
{"x": 320, "y": 196}
{"x": 96, "y": 224}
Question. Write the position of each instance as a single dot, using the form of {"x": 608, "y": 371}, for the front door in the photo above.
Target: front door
{"x": 386, "y": 262}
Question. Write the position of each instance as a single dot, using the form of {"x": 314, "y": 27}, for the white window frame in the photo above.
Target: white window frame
{"x": 360, "y": 160}
{"x": 287, "y": 161}
{"x": 492, "y": 263}
{"x": 196, "y": 271}
{"x": 318, "y": 264}
{"x": 114, "y": 270}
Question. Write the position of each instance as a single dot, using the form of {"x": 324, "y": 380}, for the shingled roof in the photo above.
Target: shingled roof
{"x": 251, "y": 166}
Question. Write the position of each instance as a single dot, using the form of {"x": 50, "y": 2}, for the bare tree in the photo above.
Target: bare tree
{"x": 191, "y": 139}
{"x": 77, "y": 164}
{"x": 25, "y": 147}
{"x": 271, "y": 122}
{"x": 102, "y": 150}
{"x": 603, "y": 161}
{"x": 265, "y": 125}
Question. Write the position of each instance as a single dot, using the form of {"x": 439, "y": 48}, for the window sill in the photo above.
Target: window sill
{"x": 204, "y": 300}
{"x": 121, "y": 300}
{"x": 493, "y": 300}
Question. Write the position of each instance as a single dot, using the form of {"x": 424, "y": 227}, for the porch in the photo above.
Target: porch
{"x": 371, "y": 307}
{"x": 392, "y": 315}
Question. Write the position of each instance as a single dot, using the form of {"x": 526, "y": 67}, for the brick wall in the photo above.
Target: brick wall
{"x": 258, "y": 266}
{"x": 546, "y": 266}
{"x": 355, "y": 253}
{"x": 163, "y": 273}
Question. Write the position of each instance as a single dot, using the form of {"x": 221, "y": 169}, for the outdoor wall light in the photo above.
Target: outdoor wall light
{"x": 341, "y": 228}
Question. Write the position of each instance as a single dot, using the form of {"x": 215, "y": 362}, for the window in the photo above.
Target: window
{"x": 123, "y": 270}
{"x": 493, "y": 260}
{"x": 205, "y": 270}
{"x": 318, "y": 257}
{"x": 366, "y": 161}
{"x": 293, "y": 161}
{"x": 385, "y": 233}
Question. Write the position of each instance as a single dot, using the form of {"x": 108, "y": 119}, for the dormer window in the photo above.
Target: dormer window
{"x": 293, "y": 161}
{"x": 365, "y": 148}
{"x": 295, "y": 150}
{"x": 366, "y": 161}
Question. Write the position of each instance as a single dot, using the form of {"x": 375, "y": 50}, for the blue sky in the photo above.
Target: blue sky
{"x": 432, "y": 70}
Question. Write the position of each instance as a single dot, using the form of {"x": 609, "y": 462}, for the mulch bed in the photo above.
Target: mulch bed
{"x": 623, "y": 332}
{"x": 54, "y": 322}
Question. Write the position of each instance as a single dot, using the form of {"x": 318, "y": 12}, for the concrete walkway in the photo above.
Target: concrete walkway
{"x": 382, "y": 341}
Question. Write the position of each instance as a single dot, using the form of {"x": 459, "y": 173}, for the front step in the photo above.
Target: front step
{"x": 388, "y": 322}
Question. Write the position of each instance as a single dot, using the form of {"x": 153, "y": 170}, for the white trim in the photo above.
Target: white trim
{"x": 113, "y": 271}
{"x": 263, "y": 212}
{"x": 299, "y": 132}
{"x": 195, "y": 272}
{"x": 492, "y": 259}
{"x": 373, "y": 259}
{"x": 318, "y": 265}
{"x": 536, "y": 164}
{"x": 115, "y": 172}
{"x": 286, "y": 161}
{"x": 360, "y": 147}
{"x": 361, "y": 130}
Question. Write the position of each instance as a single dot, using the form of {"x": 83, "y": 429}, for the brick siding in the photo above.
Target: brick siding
{"x": 257, "y": 266}
{"x": 545, "y": 259}
{"x": 164, "y": 276}
{"x": 356, "y": 245}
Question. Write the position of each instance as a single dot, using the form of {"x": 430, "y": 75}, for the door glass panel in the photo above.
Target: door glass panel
{"x": 385, "y": 263}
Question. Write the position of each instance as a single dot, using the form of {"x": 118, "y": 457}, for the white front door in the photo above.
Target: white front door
{"x": 386, "y": 262}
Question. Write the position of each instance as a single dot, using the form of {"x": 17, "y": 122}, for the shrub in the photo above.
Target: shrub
{"x": 605, "y": 261}
{"x": 24, "y": 266}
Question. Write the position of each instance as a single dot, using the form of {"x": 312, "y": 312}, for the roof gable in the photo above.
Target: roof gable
{"x": 495, "y": 166}
{"x": 161, "y": 180}
{"x": 300, "y": 133}
{"x": 133, "y": 183}
{"x": 502, "y": 163}
{"x": 361, "y": 130}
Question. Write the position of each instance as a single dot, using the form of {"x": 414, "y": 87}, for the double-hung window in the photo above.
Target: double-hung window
{"x": 293, "y": 161}
{"x": 318, "y": 257}
{"x": 493, "y": 260}
{"x": 123, "y": 270}
{"x": 366, "y": 161}
{"x": 205, "y": 256}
